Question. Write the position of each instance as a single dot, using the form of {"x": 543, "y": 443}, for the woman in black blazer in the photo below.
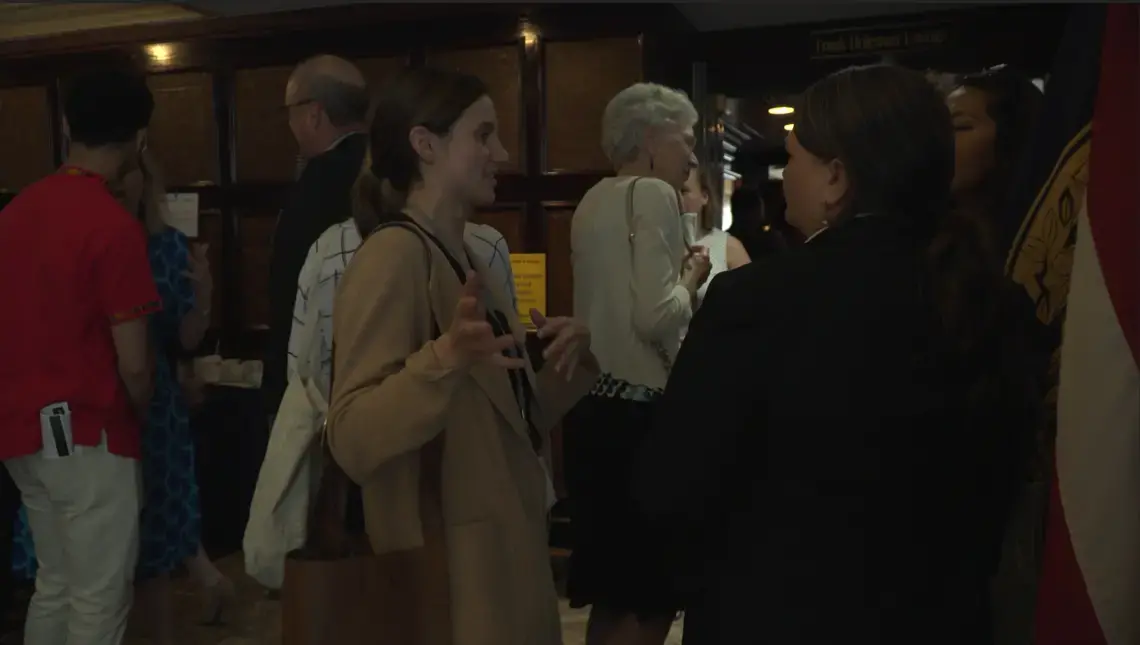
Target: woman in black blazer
{"x": 849, "y": 485}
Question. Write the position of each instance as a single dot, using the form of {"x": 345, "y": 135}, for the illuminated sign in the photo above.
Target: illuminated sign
{"x": 838, "y": 43}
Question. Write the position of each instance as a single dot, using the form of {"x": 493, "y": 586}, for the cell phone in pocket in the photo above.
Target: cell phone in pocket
{"x": 55, "y": 425}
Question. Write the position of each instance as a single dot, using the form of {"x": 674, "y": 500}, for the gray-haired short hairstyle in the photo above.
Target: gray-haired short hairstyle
{"x": 637, "y": 109}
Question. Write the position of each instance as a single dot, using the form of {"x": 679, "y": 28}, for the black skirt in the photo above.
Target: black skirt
{"x": 617, "y": 560}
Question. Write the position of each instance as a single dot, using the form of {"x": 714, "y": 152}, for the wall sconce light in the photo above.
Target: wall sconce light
{"x": 529, "y": 34}
{"x": 789, "y": 126}
{"x": 160, "y": 54}
{"x": 781, "y": 110}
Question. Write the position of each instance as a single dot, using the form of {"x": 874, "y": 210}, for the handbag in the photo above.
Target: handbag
{"x": 337, "y": 591}
{"x": 282, "y": 498}
{"x": 662, "y": 354}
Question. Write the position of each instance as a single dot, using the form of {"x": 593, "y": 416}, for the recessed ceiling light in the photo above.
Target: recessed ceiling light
{"x": 781, "y": 109}
{"x": 789, "y": 126}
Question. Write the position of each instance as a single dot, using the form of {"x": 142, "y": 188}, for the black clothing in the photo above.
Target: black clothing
{"x": 814, "y": 462}
{"x": 617, "y": 561}
{"x": 320, "y": 198}
{"x": 759, "y": 243}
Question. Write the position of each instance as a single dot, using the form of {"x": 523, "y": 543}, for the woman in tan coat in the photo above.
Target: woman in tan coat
{"x": 435, "y": 410}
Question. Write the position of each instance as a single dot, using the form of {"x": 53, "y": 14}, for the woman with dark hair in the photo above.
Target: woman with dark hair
{"x": 993, "y": 114}
{"x": 854, "y": 487}
{"x": 281, "y": 498}
{"x": 434, "y": 409}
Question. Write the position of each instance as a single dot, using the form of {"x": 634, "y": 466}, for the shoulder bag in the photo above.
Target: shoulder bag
{"x": 336, "y": 591}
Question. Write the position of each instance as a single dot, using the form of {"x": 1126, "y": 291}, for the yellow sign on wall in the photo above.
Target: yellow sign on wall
{"x": 529, "y": 270}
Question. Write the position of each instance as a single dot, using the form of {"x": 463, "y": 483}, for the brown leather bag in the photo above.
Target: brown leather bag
{"x": 337, "y": 592}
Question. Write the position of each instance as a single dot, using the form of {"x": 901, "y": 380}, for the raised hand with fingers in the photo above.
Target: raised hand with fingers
{"x": 470, "y": 338}
{"x": 567, "y": 340}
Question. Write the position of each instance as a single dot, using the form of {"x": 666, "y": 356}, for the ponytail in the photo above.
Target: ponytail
{"x": 372, "y": 199}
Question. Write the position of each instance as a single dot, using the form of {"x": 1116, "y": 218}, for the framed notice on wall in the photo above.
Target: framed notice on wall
{"x": 182, "y": 213}
{"x": 529, "y": 270}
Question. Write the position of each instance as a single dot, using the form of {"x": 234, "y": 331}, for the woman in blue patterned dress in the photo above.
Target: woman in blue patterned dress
{"x": 169, "y": 534}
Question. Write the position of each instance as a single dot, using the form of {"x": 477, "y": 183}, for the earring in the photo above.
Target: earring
{"x": 651, "y": 163}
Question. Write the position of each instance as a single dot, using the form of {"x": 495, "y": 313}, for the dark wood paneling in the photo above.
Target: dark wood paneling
{"x": 378, "y": 71}
{"x": 581, "y": 78}
{"x": 559, "y": 271}
{"x": 356, "y": 31}
{"x": 183, "y": 135}
{"x": 25, "y": 132}
{"x": 230, "y": 252}
{"x": 499, "y": 68}
{"x": 264, "y": 149}
{"x": 533, "y": 91}
{"x": 210, "y": 232}
{"x": 255, "y": 237}
{"x": 220, "y": 84}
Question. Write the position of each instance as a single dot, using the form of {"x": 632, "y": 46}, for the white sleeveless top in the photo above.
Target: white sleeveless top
{"x": 717, "y": 244}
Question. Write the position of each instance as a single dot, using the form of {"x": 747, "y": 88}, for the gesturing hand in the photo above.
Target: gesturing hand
{"x": 570, "y": 339}
{"x": 470, "y": 338}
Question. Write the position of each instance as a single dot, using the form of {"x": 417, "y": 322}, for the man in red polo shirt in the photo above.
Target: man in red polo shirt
{"x": 75, "y": 377}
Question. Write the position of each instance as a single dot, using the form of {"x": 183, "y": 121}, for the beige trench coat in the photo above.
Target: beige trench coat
{"x": 391, "y": 396}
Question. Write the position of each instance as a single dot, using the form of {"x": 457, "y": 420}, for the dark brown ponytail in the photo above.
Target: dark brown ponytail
{"x": 372, "y": 199}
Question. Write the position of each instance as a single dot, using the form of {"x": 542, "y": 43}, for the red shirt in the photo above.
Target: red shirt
{"x": 73, "y": 262}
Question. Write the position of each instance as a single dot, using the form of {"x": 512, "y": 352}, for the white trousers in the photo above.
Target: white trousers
{"x": 83, "y": 512}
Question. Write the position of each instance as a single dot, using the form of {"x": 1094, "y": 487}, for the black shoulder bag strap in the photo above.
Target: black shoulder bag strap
{"x": 353, "y": 512}
{"x": 520, "y": 384}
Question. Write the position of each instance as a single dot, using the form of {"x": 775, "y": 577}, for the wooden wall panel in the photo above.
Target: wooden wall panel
{"x": 239, "y": 139}
{"x": 210, "y": 232}
{"x": 183, "y": 135}
{"x": 559, "y": 272}
{"x": 378, "y": 71}
{"x": 255, "y": 236}
{"x": 581, "y": 78}
{"x": 265, "y": 150}
{"x": 25, "y": 136}
{"x": 509, "y": 223}
{"x": 500, "y": 69}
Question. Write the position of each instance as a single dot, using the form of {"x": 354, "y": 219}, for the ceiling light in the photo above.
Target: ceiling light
{"x": 789, "y": 126}
{"x": 781, "y": 110}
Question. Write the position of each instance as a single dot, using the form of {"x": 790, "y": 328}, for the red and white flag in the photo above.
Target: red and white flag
{"x": 1089, "y": 589}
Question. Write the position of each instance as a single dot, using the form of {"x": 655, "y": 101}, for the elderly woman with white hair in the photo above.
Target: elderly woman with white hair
{"x": 635, "y": 283}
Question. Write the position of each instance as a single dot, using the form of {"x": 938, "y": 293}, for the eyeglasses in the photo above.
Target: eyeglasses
{"x": 290, "y": 106}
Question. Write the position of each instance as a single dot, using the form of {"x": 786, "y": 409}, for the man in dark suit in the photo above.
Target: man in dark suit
{"x": 327, "y": 99}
